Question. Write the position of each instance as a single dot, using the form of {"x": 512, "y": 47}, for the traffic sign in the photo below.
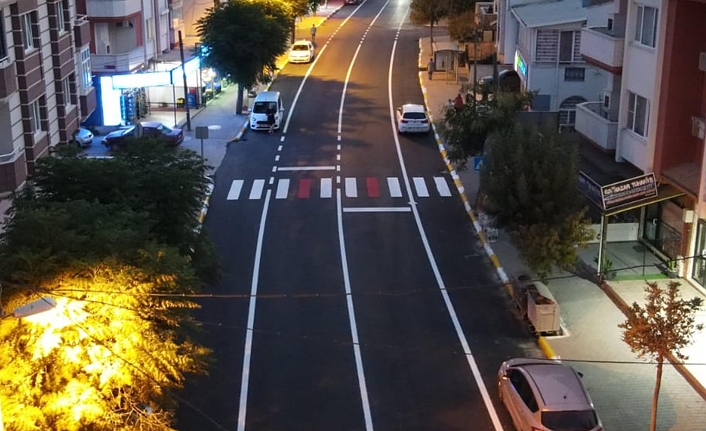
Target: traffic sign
{"x": 477, "y": 163}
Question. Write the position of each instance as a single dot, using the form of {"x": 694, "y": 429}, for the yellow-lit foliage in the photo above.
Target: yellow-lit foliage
{"x": 101, "y": 361}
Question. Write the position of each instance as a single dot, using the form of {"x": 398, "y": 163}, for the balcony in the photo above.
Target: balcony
{"x": 592, "y": 123}
{"x": 125, "y": 62}
{"x": 82, "y": 31}
{"x": 603, "y": 49}
{"x": 112, "y": 8}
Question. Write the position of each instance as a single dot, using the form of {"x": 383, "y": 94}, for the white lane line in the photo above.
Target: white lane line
{"x": 279, "y": 148}
{"x": 351, "y": 188}
{"x": 377, "y": 209}
{"x": 306, "y": 168}
{"x": 442, "y": 186}
{"x": 272, "y": 180}
{"x": 282, "y": 188}
{"x": 430, "y": 255}
{"x": 393, "y": 183}
{"x": 247, "y": 354}
{"x": 235, "y": 187}
{"x": 351, "y": 318}
{"x": 277, "y": 158}
{"x": 421, "y": 187}
{"x": 326, "y": 187}
{"x": 256, "y": 191}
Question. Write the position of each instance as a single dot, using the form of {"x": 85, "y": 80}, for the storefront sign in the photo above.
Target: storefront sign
{"x": 628, "y": 191}
{"x": 520, "y": 65}
{"x": 590, "y": 189}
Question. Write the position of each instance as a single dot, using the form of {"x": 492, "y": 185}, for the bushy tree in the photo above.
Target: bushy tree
{"x": 429, "y": 12}
{"x": 665, "y": 325}
{"x": 244, "y": 38}
{"x": 529, "y": 180}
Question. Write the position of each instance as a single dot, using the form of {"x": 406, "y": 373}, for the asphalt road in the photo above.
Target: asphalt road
{"x": 375, "y": 306}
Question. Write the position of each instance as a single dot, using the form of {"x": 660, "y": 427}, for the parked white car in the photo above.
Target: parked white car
{"x": 83, "y": 137}
{"x": 412, "y": 119}
{"x": 301, "y": 52}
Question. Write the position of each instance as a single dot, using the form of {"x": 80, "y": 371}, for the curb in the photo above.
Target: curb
{"x": 547, "y": 348}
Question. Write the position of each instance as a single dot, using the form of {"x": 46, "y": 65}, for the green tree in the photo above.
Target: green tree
{"x": 244, "y": 38}
{"x": 429, "y": 12}
{"x": 529, "y": 180}
{"x": 664, "y": 326}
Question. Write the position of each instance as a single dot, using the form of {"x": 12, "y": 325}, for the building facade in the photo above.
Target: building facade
{"x": 45, "y": 86}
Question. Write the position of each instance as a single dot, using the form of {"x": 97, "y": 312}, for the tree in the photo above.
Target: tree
{"x": 529, "y": 180}
{"x": 425, "y": 12}
{"x": 663, "y": 326}
{"x": 244, "y": 38}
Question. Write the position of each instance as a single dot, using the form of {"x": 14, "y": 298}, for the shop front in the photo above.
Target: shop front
{"x": 698, "y": 270}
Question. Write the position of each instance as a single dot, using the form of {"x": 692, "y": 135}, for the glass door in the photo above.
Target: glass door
{"x": 699, "y": 271}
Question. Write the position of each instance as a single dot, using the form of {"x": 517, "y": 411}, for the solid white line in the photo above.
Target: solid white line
{"x": 421, "y": 187}
{"x": 351, "y": 188}
{"x": 351, "y": 318}
{"x": 326, "y": 188}
{"x": 282, "y": 188}
{"x": 430, "y": 256}
{"x": 247, "y": 354}
{"x": 257, "y": 186}
{"x": 394, "y": 184}
{"x": 235, "y": 187}
{"x": 306, "y": 168}
{"x": 377, "y": 209}
{"x": 442, "y": 186}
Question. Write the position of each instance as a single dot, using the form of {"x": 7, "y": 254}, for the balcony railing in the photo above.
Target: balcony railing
{"x": 601, "y": 47}
{"x": 125, "y": 62}
{"x": 82, "y": 31}
{"x": 112, "y": 8}
{"x": 593, "y": 123}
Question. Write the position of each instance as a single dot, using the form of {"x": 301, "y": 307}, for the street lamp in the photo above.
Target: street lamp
{"x": 41, "y": 305}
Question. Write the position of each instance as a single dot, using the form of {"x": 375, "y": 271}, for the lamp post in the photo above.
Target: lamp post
{"x": 33, "y": 308}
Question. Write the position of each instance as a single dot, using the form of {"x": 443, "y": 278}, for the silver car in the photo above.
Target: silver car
{"x": 546, "y": 395}
{"x": 83, "y": 137}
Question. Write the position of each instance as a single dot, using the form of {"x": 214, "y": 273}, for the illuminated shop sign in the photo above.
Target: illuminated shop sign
{"x": 620, "y": 193}
{"x": 520, "y": 65}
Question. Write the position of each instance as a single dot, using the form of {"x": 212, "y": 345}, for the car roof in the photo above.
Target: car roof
{"x": 559, "y": 386}
{"x": 302, "y": 42}
{"x": 154, "y": 124}
{"x": 411, "y": 107}
{"x": 267, "y": 96}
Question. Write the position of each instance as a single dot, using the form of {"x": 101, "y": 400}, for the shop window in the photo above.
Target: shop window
{"x": 646, "y": 26}
{"x": 663, "y": 227}
{"x": 698, "y": 272}
{"x": 638, "y": 108}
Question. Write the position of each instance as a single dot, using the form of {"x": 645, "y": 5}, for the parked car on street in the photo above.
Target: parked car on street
{"x": 412, "y": 118}
{"x": 546, "y": 395}
{"x": 509, "y": 81}
{"x": 171, "y": 137}
{"x": 351, "y": 1}
{"x": 301, "y": 52}
{"x": 83, "y": 137}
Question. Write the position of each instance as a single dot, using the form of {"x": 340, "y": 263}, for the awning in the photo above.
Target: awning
{"x": 664, "y": 192}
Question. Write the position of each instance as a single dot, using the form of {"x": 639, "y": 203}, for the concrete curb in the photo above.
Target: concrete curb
{"x": 676, "y": 363}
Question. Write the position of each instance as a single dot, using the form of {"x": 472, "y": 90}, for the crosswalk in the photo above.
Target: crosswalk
{"x": 306, "y": 188}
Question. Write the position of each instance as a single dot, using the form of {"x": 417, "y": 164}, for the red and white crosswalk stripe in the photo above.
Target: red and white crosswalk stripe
{"x": 305, "y": 188}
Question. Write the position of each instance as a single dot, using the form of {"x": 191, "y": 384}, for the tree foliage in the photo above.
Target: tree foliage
{"x": 429, "y": 12}
{"x": 463, "y": 27}
{"x": 665, "y": 325}
{"x": 244, "y": 38}
{"x": 529, "y": 180}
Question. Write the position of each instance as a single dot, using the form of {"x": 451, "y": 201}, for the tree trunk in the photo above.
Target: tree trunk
{"x": 239, "y": 103}
{"x": 475, "y": 66}
{"x": 431, "y": 37}
{"x": 655, "y": 397}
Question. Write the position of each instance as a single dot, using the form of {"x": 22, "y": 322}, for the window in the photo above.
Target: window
{"x": 66, "y": 89}
{"x": 27, "y": 31}
{"x": 646, "y": 26}
{"x": 637, "y": 114}
{"x": 60, "y": 8}
{"x": 86, "y": 81}
{"x": 606, "y": 101}
{"x": 566, "y": 46}
{"x": 575, "y": 74}
{"x": 35, "y": 116}
{"x": 149, "y": 24}
{"x": 567, "y": 112}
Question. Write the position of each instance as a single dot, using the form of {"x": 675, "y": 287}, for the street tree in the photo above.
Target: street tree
{"x": 244, "y": 38}
{"x": 529, "y": 182}
{"x": 108, "y": 357}
{"x": 428, "y": 12}
{"x": 664, "y": 326}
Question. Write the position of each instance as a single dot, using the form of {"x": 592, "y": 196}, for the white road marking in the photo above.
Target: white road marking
{"x": 442, "y": 186}
{"x": 235, "y": 187}
{"x": 377, "y": 209}
{"x": 306, "y": 168}
{"x": 247, "y": 354}
{"x": 394, "y": 185}
{"x": 279, "y": 148}
{"x": 282, "y": 188}
{"x": 351, "y": 188}
{"x": 430, "y": 255}
{"x": 326, "y": 188}
{"x": 421, "y": 187}
{"x": 277, "y": 158}
{"x": 256, "y": 191}
{"x": 272, "y": 180}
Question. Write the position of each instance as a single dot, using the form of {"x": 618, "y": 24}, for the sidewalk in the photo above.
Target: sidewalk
{"x": 620, "y": 384}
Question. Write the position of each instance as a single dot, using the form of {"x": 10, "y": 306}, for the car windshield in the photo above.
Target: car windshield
{"x": 263, "y": 107}
{"x": 414, "y": 115}
{"x": 164, "y": 129}
{"x": 580, "y": 420}
{"x": 301, "y": 47}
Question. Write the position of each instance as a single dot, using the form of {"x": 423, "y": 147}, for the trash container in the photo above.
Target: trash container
{"x": 542, "y": 309}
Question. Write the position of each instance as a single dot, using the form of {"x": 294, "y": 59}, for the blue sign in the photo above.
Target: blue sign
{"x": 477, "y": 163}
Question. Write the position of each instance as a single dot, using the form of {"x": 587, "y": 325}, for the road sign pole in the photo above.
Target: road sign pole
{"x": 201, "y": 149}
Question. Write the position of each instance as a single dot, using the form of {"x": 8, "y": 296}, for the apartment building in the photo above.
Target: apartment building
{"x": 45, "y": 82}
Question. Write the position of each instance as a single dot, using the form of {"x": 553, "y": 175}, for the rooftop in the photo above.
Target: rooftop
{"x": 545, "y": 13}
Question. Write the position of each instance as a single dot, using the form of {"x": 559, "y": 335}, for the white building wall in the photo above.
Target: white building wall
{"x": 549, "y": 80}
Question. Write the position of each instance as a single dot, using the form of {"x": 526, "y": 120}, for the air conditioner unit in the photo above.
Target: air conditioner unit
{"x": 698, "y": 127}
{"x": 702, "y": 61}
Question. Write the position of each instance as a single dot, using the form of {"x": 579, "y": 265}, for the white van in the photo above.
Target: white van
{"x": 264, "y": 102}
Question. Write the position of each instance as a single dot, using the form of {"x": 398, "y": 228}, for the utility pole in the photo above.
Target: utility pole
{"x": 186, "y": 87}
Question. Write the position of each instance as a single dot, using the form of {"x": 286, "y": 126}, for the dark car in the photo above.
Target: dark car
{"x": 171, "y": 137}
{"x": 351, "y": 1}
{"x": 509, "y": 81}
